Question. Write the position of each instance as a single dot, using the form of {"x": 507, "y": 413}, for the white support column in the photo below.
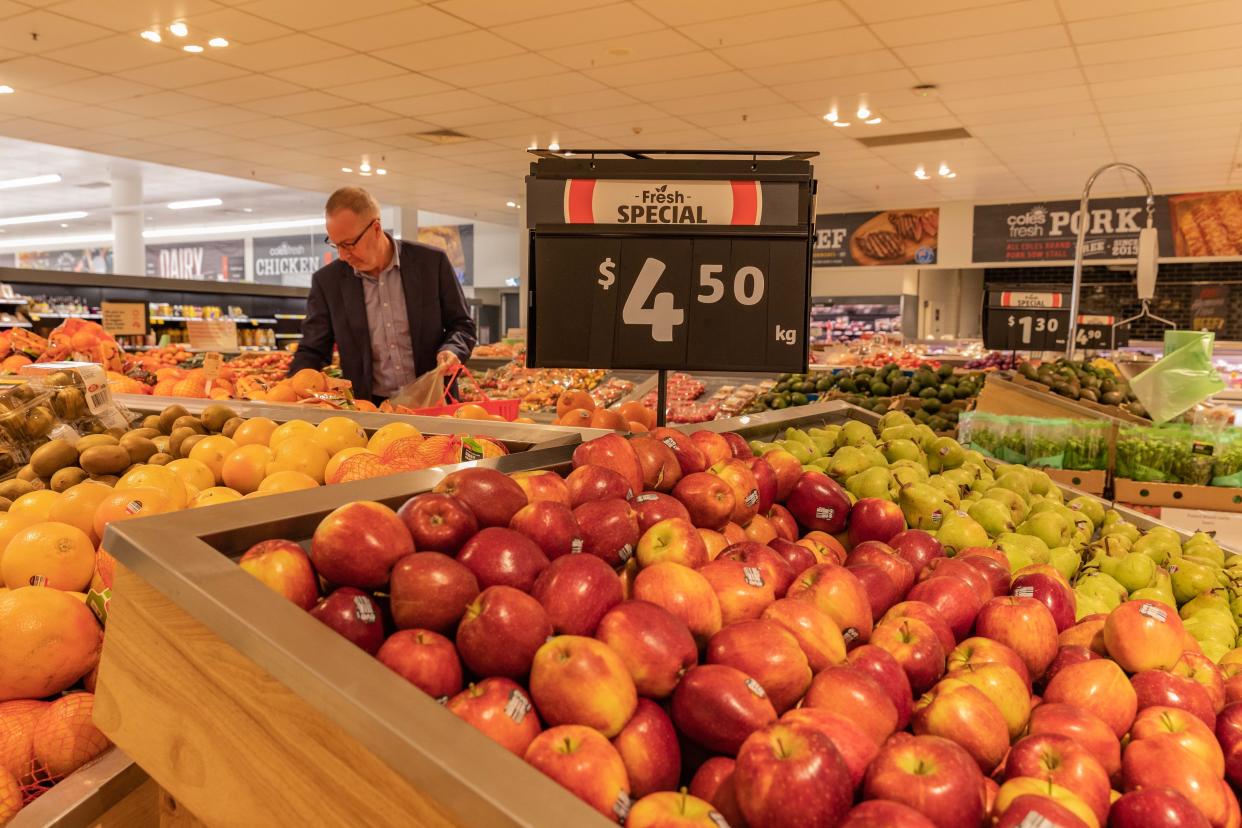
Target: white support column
{"x": 129, "y": 255}
{"x": 523, "y": 243}
{"x": 405, "y": 222}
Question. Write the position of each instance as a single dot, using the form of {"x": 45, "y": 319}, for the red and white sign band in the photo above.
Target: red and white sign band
{"x": 592, "y": 201}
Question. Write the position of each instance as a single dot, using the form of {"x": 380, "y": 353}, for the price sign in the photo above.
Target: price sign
{"x": 1026, "y": 321}
{"x": 124, "y": 318}
{"x": 1096, "y": 333}
{"x": 212, "y": 334}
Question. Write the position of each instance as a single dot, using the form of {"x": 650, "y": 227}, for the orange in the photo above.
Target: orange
{"x": 281, "y": 392}
{"x": 299, "y": 454}
{"x": 211, "y": 451}
{"x": 17, "y": 721}
{"x": 606, "y": 418}
{"x": 245, "y": 468}
{"x": 365, "y": 405}
{"x": 61, "y": 554}
{"x": 161, "y": 478}
{"x": 255, "y": 430}
{"x": 637, "y": 428}
{"x": 10, "y": 525}
{"x": 471, "y": 411}
{"x": 76, "y": 507}
{"x": 65, "y": 738}
{"x": 385, "y": 435}
{"x": 293, "y": 428}
{"x": 36, "y": 505}
{"x": 139, "y": 501}
{"x": 308, "y": 381}
{"x": 214, "y": 496}
{"x": 192, "y": 471}
{"x": 10, "y": 797}
{"x": 523, "y": 420}
{"x": 635, "y": 412}
{"x": 286, "y": 481}
{"x": 578, "y": 417}
{"x": 50, "y": 641}
{"x": 339, "y": 458}
{"x": 336, "y": 433}
{"x": 571, "y": 399}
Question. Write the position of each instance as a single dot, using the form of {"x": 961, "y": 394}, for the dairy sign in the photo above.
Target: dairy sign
{"x": 217, "y": 261}
{"x": 289, "y": 260}
{"x": 1048, "y": 231}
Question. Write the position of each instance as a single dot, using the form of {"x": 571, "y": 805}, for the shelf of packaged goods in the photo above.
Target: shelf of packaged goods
{"x": 14, "y": 323}
{"x": 37, "y": 315}
{"x": 241, "y": 320}
{"x": 111, "y": 791}
{"x": 13, "y": 300}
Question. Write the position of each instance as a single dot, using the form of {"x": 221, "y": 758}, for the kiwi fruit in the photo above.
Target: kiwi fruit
{"x": 39, "y": 421}
{"x": 153, "y": 421}
{"x": 159, "y": 459}
{"x": 161, "y": 443}
{"x": 5, "y": 503}
{"x": 66, "y": 478}
{"x": 69, "y": 404}
{"x": 104, "y": 459}
{"x": 177, "y": 438}
{"x": 53, "y": 456}
{"x": 105, "y": 479}
{"x": 169, "y": 416}
{"x": 190, "y": 421}
{"x": 140, "y": 448}
{"x": 215, "y": 416}
{"x": 14, "y": 488}
{"x": 92, "y": 440}
{"x": 28, "y": 474}
{"x": 118, "y": 433}
{"x": 231, "y": 426}
{"x": 149, "y": 433}
{"x": 187, "y": 445}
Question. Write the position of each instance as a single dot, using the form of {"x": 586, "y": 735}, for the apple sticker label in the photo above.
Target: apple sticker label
{"x": 824, "y": 512}
{"x": 849, "y": 634}
{"x": 575, "y": 546}
{"x": 1154, "y": 612}
{"x": 1024, "y": 592}
{"x": 752, "y": 498}
{"x": 443, "y": 700}
{"x": 755, "y": 687}
{"x": 626, "y": 552}
{"x": 517, "y": 706}
{"x": 1034, "y": 820}
{"x": 718, "y": 820}
{"x": 670, "y": 442}
{"x": 621, "y": 808}
{"x": 364, "y": 610}
{"x": 752, "y": 575}
{"x": 646, "y": 497}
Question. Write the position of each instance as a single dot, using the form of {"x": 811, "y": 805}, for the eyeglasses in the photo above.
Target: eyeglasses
{"x": 349, "y": 245}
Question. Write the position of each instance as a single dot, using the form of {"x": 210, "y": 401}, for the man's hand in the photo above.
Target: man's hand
{"x": 446, "y": 358}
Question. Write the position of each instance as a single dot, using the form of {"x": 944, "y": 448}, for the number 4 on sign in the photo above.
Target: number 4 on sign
{"x": 663, "y": 316}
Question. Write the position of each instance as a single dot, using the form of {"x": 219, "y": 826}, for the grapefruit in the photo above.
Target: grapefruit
{"x": 162, "y": 478}
{"x": 337, "y": 433}
{"x": 50, "y": 641}
{"x": 17, "y": 721}
{"x": 10, "y": 797}
{"x": 123, "y": 504}
{"x": 573, "y": 399}
{"x": 65, "y": 738}
{"x": 300, "y": 454}
{"x": 293, "y": 428}
{"x": 286, "y": 481}
{"x": 76, "y": 507}
{"x": 10, "y": 525}
{"x": 215, "y": 495}
{"x": 245, "y": 467}
{"x": 211, "y": 451}
{"x": 193, "y": 472}
{"x": 340, "y": 457}
{"x": 36, "y": 505}
{"x": 256, "y": 430}
{"x": 62, "y": 555}
{"x": 385, "y": 435}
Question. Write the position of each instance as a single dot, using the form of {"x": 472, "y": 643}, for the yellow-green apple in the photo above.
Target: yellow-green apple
{"x": 977, "y": 650}
{"x": 791, "y": 774}
{"x": 995, "y": 573}
{"x": 673, "y": 539}
{"x": 825, "y": 546}
{"x": 612, "y": 451}
{"x": 714, "y": 447}
{"x": 1004, "y": 687}
{"x": 958, "y": 568}
{"x": 357, "y": 544}
{"x": 884, "y": 670}
{"x": 576, "y": 591}
{"x": 501, "y": 709}
{"x": 707, "y": 498}
{"x": 882, "y": 813}
{"x": 934, "y": 776}
{"x": 648, "y": 746}
{"x": 917, "y": 547}
{"x": 1155, "y": 808}
{"x": 1036, "y": 809}
{"x": 500, "y": 632}
{"x": 502, "y": 557}
{"x": 1160, "y": 688}
{"x": 760, "y": 530}
{"x": 1144, "y": 635}
{"x": 581, "y": 760}
{"x": 655, "y": 645}
{"x": 1200, "y": 668}
{"x": 775, "y": 568}
{"x": 783, "y": 521}
{"x": 1100, "y": 688}
{"x": 741, "y": 589}
{"x": 816, "y": 633}
{"x": 590, "y": 483}
{"x": 685, "y": 593}
{"x": 768, "y": 653}
{"x": 354, "y": 615}
{"x": 898, "y": 569}
{"x": 284, "y": 567}
{"x": 609, "y": 530}
{"x": 1067, "y": 654}
{"x": 430, "y": 590}
{"x": 741, "y": 482}
{"x": 839, "y": 594}
{"x": 672, "y": 809}
{"x": 799, "y": 557}
{"x": 1189, "y": 730}
{"x": 653, "y": 507}
{"x": 1025, "y": 626}
{"x": 928, "y": 615}
{"x": 439, "y": 522}
{"x": 852, "y": 692}
{"x": 1052, "y": 593}
{"x": 1061, "y": 760}
{"x": 714, "y": 541}
{"x": 551, "y": 525}
{"x": 818, "y": 502}
{"x": 543, "y": 484}
{"x": 1160, "y": 762}
{"x": 956, "y": 601}
{"x": 579, "y": 680}
{"x": 717, "y": 707}
{"x": 915, "y": 647}
{"x": 689, "y": 455}
{"x": 1085, "y": 728}
{"x": 787, "y": 469}
{"x": 659, "y": 465}
{"x": 1030, "y": 786}
{"x": 955, "y": 710}
{"x": 765, "y": 478}
{"x": 1229, "y": 736}
{"x": 425, "y": 659}
{"x": 1088, "y": 632}
{"x": 875, "y": 519}
{"x": 856, "y": 747}
{"x": 492, "y": 497}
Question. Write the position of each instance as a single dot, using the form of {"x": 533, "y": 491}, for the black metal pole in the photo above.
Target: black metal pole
{"x": 661, "y": 397}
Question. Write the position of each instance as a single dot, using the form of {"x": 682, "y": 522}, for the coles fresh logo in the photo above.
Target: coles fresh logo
{"x": 592, "y": 201}
{"x": 1028, "y": 225}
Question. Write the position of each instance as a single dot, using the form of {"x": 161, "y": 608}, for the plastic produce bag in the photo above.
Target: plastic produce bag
{"x": 1182, "y": 379}
{"x": 1014, "y": 442}
{"x": 1046, "y": 443}
{"x": 1195, "y": 462}
{"x": 1227, "y": 462}
{"x": 424, "y": 392}
{"x": 981, "y": 432}
{"x": 1086, "y": 449}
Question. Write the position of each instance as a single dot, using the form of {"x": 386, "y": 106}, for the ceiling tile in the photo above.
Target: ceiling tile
{"x": 99, "y": 89}
{"x": 304, "y": 15}
{"x": 801, "y": 48}
{"x": 213, "y": 115}
{"x": 356, "y": 114}
{"x": 1173, "y": 43}
{"x": 685, "y": 12}
{"x": 570, "y": 103}
{"x": 1184, "y": 17}
{"x": 514, "y": 67}
{"x": 382, "y": 129}
{"x": 264, "y": 129}
{"x": 870, "y": 84}
{"x": 128, "y": 15}
{"x": 157, "y": 104}
{"x": 872, "y": 12}
{"x": 404, "y": 85}
{"x": 8, "y": 8}
{"x": 990, "y": 20}
{"x": 566, "y": 83}
{"x": 95, "y": 116}
{"x": 465, "y": 118}
{"x": 28, "y": 103}
{"x": 703, "y": 85}
{"x": 422, "y": 105}
{"x": 468, "y": 47}
{"x": 278, "y": 53}
{"x": 826, "y": 68}
{"x": 1032, "y": 40}
{"x": 54, "y": 32}
{"x": 182, "y": 72}
{"x": 770, "y": 24}
{"x": 581, "y": 26}
{"x": 244, "y": 88}
{"x": 1142, "y": 67}
{"x": 394, "y": 29}
{"x": 237, "y": 26}
{"x": 350, "y": 69}
{"x": 622, "y": 50}
{"x": 661, "y": 69}
{"x": 295, "y": 103}
{"x": 500, "y": 12}
{"x": 30, "y": 72}
{"x": 113, "y": 54}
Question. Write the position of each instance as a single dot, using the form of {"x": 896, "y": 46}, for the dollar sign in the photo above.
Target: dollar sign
{"x": 1011, "y": 321}
{"x": 607, "y": 273}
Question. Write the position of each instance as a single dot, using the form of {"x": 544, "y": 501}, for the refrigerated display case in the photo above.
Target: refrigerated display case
{"x": 846, "y": 320}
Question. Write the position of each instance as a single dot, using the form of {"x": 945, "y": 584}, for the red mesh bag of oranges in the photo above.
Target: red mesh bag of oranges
{"x": 83, "y": 341}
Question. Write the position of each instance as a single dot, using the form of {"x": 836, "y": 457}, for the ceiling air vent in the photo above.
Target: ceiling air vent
{"x": 442, "y": 136}
{"x": 915, "y": 137}
{"x": 95, "y": 185}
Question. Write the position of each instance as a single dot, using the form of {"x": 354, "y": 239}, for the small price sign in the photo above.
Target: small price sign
{"x": 1096, "y": 333}
{"x": 124, "y": 318}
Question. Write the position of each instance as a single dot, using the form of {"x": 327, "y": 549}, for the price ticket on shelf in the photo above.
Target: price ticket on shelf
{"x": 1026, "y": 321}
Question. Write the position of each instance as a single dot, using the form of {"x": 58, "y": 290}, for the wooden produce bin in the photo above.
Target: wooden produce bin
{"x": 248, "y": 711}
{"x": 110, "y": 792}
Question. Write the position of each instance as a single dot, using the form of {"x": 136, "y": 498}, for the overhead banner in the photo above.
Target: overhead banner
{"x": 1205, "y": 224}
{"x": 290, "y": 260}
{"x": 891, "y": 237}
{"x": 88, "y": 260}
{"x": 216, "y": 261}
{"x": 457, "y": 241}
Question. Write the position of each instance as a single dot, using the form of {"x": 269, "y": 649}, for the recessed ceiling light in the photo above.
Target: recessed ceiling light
{"x": 944, "y": 169}
{"x": 510, "y": 203}
{"x": 217, "y": 43}
{"x": 877, "y": 119}
{"x": 5, "y": 89}
{"x": 863, "y": 112}
{"x": 193, "y": 48}
{"x": 75, "y": 214}
{"x": 554, "y": 146}
{"x": 247, "y": 209}
{"x": 179, "y": 29}
{"x": 831, "y": 116}
{"x": 381, "y": 171}
{"x": 365, "y": 167}
{"x": 151, "y": 35}
{"x": 921, "y": 173}
{"x": 194, "y": 202}
{"x": 347, "y": 169}
{"x": 840, "y": 123}
{"x": 63, "y": 224}
{"x": 29, "y": 181}
{"x": 367, "y": 174}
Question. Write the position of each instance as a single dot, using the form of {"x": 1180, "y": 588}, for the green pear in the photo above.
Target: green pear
{"x": 1214, "y": 650}
{"x": 804, "y": 452}
{"x": 1089, "y": 605}
{"x": 1035, "y": 548}
{"x": 992, "y": 515}
{"x": 1065, "y": 560}
{"x": 1156, "y": 547}
{"x": 900, "y": 432}
{"x": 1213, "y": 553}
{"x": 873, "y": 482}
{"x": 1235, "y": 608}
{"x": 1055, "y": 494}
{"x": 1212, "y": 599}
{"x": 902, "y": 449}
{"x": 1212, "y": 625}
{"x": 1155, "y": 594}
{"x": 1112, "y": 516}
{"x": 1015, "y": 482}
{"x": 1049, "y": 527}
{"x": 952, "y": 494}
{"x": 959, "y": 531}
{"x": 1121, "y": 527}
{"x": 847, "y": 462}
{"x": 1116, "y": 545}
{"x": 976, "y": 458}
{"x": 797, "y": 435}
{"x": 962, "y": 477}
{"x": 983, "y": 484}
{"x": 896, "y": 417}
{"x": 1015, "y": 502}
{"x": 1040, "y": 482}
{"x": 822, "y": 463}
{"x": 856, "y": 433}
{"x": 923, "y": 505}
{"x": 927, "y": 438}
{"x": 1103, "y": 587}
{"x": 969, "y": 498}
{"x": 1134, "y": 571}
{"x": 945, "y": 453}
{"x": 905, "y": 473}
{"x": 1019, "y": 556}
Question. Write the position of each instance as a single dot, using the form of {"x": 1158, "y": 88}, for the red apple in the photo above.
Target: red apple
{"x": 875, "y": 519}
{"x": 1202, "y": 669}
{"x": 954, "y": 599}
{"x": 881, "y": 813}
{"x": 655, "y": 645}
{"x": 1061, "y": 760}
{"x": 787, "y": 469}
{"x": 800, "y": 558}
{"x": 659, "y": 465}
{"x": 714, "y": 447}
{"x": 357, "y": 544}
{"x": 1144, "y": 635}
{"x": 956, "y": 710}
{"x": 707, "y": 498}
{"x": 738, "y": 446}
{"x": 1159, "y": 688}
{"x": 917, "y": 547}
{"x": 1029, "y": 809}
{"x": 579, "y": 680}
{"x": 1100, "y": 688}
{"x": 609, "y": 530}
{"x": 933, "y": 776}
{"x": 1155, "y": 808}
{"x": 768, "y": 653}
{"x": 928, "y": 615}
{"x": 853, "y": 693}
{"x": 774, "y": 567}
{"x": 710, "y": 776}
{"x": 503, "y": 557}
{"x": 491, "y": 496}
{"x": 1025, "y": 626}
{"x": 590, "y": 483}
{"x": 1188, "y": 729}
{"x": 1052, "y": 593}
{"x": 576, "y": 591}
{"x": 734, "y": 533}
{"x": 957, "y": 568}
{"x": 917, "y": 649}
{"x": 881, "y": 592}
{"x": 689, "y": 456}
{"x": 884, "y": 670}
{"x": 977, "y": 651}
{"x": 353, "y": 614}
{"x": 817, "y": 634}
{"x": 438, "y": 522}
{"x": 501, "y": 631}
{"x": 430, "y": 590}
{"x": 985, "y": 552}
{"x": 718, "y": 706}
{"x": 880, "y": 554}
{"x": 841, "y": 596}
{"x": 612, "y": 451}
{"x": 425, "y": 659}
{"x": 818, "y": 502}
{"x": 653, "y": 507}
{"x": 685, "y": 593}
{"x": 580, "y": 759}
{"x": 765, "y": 478}
{"x": 672, "y": 809}
{"x": 714, "y": 541}
{"x": 284, "y": 567}
{"x": 1088, "y": 632}
{"x": 1084, "y": 728}
{"x": 741, "y": 482}
{"x": 827, "y": 548}
{"x": 501, "y": 709}
{"x": 741, "y": 590}
{"x": 1006, "y": 689}
{"x": 856, "y": 747}
{"x": 673, "y": 539}
{"x": 1029, "y": 786}
{"x": 1160, "y": 762}
{"x": 543, "y": 484}
{"x": 790, "y": 774}
{"x": 551, "y": 525}
{"x": 1067, "y": 654}
{"x": 648, "y": 745}
{"x": 996, "y": 574}
{"x": 783, "y": 521}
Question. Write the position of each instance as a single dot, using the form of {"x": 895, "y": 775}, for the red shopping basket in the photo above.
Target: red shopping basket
{"x": 508, "y": 409}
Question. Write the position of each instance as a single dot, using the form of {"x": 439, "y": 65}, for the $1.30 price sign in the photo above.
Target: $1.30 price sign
{"x": 705, "y": 304}
{"x": 1018, "y": 321}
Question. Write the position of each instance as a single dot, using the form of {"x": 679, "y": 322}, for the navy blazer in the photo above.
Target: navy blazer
{"x": 336, "y": 314}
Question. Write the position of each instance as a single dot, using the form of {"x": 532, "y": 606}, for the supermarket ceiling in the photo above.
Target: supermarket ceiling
{"x": 1049, "y": 89}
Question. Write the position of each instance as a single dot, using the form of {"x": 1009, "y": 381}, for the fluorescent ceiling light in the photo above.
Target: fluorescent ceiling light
{"x": 877, "y": 119}
{"x": 76, "y": 214}
{"x": 179, "y": 29}
{"x": 217, "y": 43}
{"x": 151, "y": 35}
{"x": 840, "y": 123}
{"x": 257, "y": 227}
{"x": 5, "y": 89}
{"x": 30, "y": 181}
{"x": 194, "y": 202}
{"x": 193, "y": 48}
{"x": 347, "y": 169}
{"x": 381, "y": 171}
